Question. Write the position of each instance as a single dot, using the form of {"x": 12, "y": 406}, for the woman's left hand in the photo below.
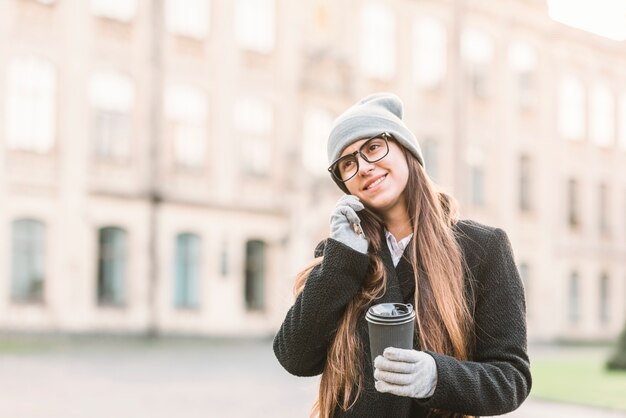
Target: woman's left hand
{"x": 404, "y": 372}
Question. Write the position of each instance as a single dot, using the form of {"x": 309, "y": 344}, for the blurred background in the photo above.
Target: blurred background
{"x": 163, "y": 174}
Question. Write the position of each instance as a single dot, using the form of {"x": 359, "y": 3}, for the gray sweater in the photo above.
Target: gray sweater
{"x": 497, "y": 378}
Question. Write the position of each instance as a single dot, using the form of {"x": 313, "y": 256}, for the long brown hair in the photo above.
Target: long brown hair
{"x": 444, "y": 322}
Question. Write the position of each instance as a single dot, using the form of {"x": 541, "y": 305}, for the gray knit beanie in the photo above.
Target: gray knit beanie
{"x": 372, "y": 115}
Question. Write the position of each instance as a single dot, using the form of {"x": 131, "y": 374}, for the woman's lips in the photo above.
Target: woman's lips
{"x": 374, "y": 185}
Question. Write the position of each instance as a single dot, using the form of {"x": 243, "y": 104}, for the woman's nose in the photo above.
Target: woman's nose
{"x": 364, "y": 165}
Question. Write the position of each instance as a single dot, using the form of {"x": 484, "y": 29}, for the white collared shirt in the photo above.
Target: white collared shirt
{"x": 396, "y": 248}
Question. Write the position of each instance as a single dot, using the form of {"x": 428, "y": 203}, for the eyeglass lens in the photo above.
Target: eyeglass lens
{"x": 371, "y": 151}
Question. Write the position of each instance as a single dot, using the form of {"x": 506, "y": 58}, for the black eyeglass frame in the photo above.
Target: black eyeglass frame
{"x": 333, "y": 167}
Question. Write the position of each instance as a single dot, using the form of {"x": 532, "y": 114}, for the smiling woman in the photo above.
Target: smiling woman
{"x": 395, "y": 238}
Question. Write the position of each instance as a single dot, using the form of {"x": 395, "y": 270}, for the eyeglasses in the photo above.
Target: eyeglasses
{"x": 374, "y": 149}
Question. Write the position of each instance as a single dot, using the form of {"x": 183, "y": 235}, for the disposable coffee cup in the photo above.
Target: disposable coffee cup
{"x": 390, "y": 325}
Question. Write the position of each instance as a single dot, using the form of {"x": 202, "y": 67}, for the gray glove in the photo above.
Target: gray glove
{"x": 404, "y": 372}
{"x": 345, "y": 225}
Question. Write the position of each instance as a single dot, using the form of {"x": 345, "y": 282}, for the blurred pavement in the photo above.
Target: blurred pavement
{"x": 167, "y": 378}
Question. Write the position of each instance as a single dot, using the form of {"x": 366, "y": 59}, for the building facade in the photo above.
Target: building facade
{"x": 163, "y": 163}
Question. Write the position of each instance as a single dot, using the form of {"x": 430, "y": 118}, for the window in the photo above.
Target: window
{"x": 112, "y": 260}
{"x": 321, "y": 16}
{"x": 429, "y": 58}
{"x": 122, "y": 10}
{"x": 430, "y": 152}
{"x": 574, "y": 298}
{"x": 255, "y": 25}
{"x": 602, "y": 124}
{"x": 254, "y": 120}
{"x": 477, "y": 179}
{"x": 378, "y": 56}
{"x": 31, "y": 104}
{"x": 186, "y": 109}
{"x": 523, "y": 272}
{"x": 603, "y": 217}
{"x": 188, "y": 271}
{"x": 604, "y": 299}
{"x": 572, "y": 114}
{"x": 317, "y": 125}
{"x": 255, "y": 275}
{"x": 112, "y": 98}
{"x": 28, "y": 263}
{"x": 523, "y": 63}
{"x": 477, "y": 50}
{"x": 622, "y": 121}
{"x": 224, "y": 262}
{"x": 573, "y": 215}
{"x": 188, "y": 17}
{"x": 524, "y": 183}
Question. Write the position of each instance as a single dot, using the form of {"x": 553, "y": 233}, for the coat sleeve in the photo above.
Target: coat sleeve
{"x": 498, "y": 379}
{"x": 302, "y": 341}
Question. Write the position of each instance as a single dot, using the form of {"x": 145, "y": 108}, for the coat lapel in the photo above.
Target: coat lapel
{"x": 406, "y": 280}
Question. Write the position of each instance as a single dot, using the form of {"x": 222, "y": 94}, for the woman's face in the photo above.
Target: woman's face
{"x": 380, "y": 185}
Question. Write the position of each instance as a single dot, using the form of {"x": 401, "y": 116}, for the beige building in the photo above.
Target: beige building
{"x": 163, "y": 162}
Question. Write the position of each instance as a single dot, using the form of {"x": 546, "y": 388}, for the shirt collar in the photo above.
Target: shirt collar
{"x": 402, "y": 244}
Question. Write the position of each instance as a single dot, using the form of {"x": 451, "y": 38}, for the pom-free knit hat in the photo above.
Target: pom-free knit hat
{"x": 372, "y": 115}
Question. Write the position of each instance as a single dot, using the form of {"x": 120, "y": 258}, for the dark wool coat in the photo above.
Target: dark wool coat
{"x": 494, "y": 382}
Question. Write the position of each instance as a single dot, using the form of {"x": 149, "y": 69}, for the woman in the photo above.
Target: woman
{"x": 395, "y": 238}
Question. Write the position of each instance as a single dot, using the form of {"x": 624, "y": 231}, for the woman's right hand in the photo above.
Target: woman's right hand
{"x": 345, "y": 225}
